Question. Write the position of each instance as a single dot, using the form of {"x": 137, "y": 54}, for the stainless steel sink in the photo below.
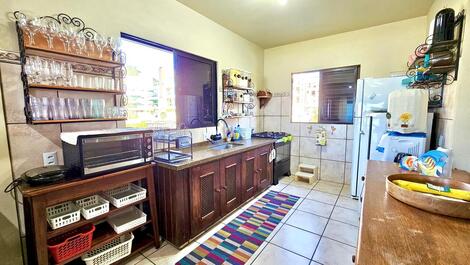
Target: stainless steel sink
{"x": 225, "y": 146}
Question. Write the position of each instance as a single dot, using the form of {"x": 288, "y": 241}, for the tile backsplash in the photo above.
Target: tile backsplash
{"x": 334, "y": 159}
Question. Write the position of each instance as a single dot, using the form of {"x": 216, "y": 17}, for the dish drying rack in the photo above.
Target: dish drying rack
{"x": 173, "y": 146}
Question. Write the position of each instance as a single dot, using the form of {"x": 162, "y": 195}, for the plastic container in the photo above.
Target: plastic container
{"x": 62, "y": 214}
{"x": 93, "y": 206}
{"x": 125, "y": 195}
{"x": 245, "y": 133}
{"x": 111, "y": 252}
{"x": 127, "y": 219}
{"x": 71, "y": 243}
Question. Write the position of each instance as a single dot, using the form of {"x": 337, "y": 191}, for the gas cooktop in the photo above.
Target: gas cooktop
{"x": 271, "y": 135}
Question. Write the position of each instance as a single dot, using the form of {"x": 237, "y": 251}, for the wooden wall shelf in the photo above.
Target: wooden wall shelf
{"x": 67, "y": 88}
{"x": 76, "y": 120}
{"x": 64, "y": 56}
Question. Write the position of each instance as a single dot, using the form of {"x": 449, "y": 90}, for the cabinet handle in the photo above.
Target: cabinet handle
{"x": 353, "y": 258}
{"x": 217, "y": 190}
{"x": 224, "y": 187}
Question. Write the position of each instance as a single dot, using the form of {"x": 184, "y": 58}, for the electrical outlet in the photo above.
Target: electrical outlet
{"x": 49, "y": 158}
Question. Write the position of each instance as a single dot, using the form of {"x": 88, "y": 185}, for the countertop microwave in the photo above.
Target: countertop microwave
{"x": 93, "y": 153}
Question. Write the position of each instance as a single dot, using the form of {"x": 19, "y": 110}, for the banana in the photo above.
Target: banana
{"x": 436, "y": 190}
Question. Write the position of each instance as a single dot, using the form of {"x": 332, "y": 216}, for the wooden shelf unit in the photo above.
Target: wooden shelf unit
{"x": 37, "y": 199}
{"x": 76, "y": 120}
{"x": 69, "y": 88}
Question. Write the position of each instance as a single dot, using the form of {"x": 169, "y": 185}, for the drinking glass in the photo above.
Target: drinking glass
{"x": 85, "y": 108}
{"x": 72, "y": 105}
{"x": 45, "y": 109}
{"x": 115, "y": 45}
{"x": 98, "y": 107}
{"x": 58, "y": 109}
{"x": 35, "y": 105}
{"x": 32, "y": 26}
{"x": 49, "y": 28}
{"x": 81, "y": 43}
{"x": 68, "y": 74}
{"x": 100, "y": 42}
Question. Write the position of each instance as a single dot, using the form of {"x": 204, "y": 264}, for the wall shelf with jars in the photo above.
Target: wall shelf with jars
{"x": 62, "y": 55}
{"x": 238, "y": 94}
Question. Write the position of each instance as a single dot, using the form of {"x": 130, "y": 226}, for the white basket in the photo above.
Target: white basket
{"x": 62, "y": 214}
{"x": 125, "y": 195}
{"x": 110, "y": 252}
{"x": 93, "y": 206}
{"x": 127, "y": 219}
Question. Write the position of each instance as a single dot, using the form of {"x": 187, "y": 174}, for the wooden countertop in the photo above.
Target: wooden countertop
{"x": 395, "y": 233}
{"x": 203, "y": 154}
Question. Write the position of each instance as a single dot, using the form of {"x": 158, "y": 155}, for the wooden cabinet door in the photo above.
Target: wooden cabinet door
{"x": 264, "y": 168}
{"x": 249, "y": 174}
{"x": 230, "y": 182}
{"x": 204, "y": 197}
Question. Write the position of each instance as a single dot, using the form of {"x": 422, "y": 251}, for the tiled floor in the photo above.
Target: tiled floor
{"x": 322, "y": 228}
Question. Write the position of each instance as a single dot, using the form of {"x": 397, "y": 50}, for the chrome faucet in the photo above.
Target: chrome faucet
{"x": 217, "y": 125}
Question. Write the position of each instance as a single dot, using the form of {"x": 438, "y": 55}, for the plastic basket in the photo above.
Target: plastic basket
{"x": 62, "y": 214}
{"x": 71, "y": 243}
{"x": 127, "y": 219}
{"x": 93, "y": 206}
{"x": 125, "y": 195}
{"x": 111, "y": 252}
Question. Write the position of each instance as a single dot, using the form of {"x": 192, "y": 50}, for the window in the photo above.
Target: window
{"x": 168, "y": 88}
{"x": 150, "y": 86}
{"x": 324, "y": 96}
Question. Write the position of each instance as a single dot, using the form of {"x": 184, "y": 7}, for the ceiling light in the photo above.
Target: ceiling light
{"x": 282, "y": 2}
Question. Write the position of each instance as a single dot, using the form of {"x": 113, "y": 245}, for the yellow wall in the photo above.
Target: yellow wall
{"x": 379, "y": 50}
{"x": 164, "y": 21}
{"x": 456, "y": 109}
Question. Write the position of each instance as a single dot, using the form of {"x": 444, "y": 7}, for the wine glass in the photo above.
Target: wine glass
{"x": 100, "y": 42}
{"x": 48, "y": 28}
{"x": 32, "y": 26}
{"x": 81, "y": 42}
{"x": 115, "y": 45}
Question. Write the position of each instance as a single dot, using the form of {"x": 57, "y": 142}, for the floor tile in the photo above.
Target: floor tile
{"x": 345, "y": 215}
{"x": 136, "y": 259}
{"x": 170, "y": 255}
{"x": 314, "y": 263}
{"x": 303, "y": 184}
{"x": 274, "y": 255}
{"x": 296, "y": 240}
{"x": 330, "y": 252}
{"x": 322, "y": 197}
{"x": 274, "y": 232}
{"x": 318, "y": 208}
{"x": 145, "y": 261}
{"x": 307, "y": 221}
{"x": 286, "y": 180}
{"x": 278, "y": 187}
{"x": 346, "y": 191}
{"x": 330, "y": 187}
{"x": 297, "y": 191}
{"x": 349, "y": 203}
{"x": 342, "y": 232}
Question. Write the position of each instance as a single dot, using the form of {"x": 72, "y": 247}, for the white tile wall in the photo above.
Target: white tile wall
{"x": 333, "y": 159}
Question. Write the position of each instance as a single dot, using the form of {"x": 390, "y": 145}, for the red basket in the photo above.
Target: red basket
{"x": 71, "y": 243}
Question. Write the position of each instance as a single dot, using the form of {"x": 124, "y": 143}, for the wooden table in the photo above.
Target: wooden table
{"x": 36, "y": 199}
{"x": 392, "y": 232}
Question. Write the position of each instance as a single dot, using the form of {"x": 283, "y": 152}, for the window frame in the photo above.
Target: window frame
{"x": 176, "y": 53}
{"x": 320, "y": 96}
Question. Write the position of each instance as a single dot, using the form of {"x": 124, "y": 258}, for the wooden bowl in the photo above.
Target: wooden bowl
{"x": 428, "y": 202}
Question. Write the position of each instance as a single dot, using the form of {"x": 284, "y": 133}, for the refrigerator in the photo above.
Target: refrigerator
{"x": 370, "y": 123}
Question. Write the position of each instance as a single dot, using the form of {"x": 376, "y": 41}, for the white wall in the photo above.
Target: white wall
{"x": 379, "y": 50}
{"x": 455, "y": 115}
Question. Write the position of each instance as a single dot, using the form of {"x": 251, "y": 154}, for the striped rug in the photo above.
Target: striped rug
{"x": 238, "y": 240}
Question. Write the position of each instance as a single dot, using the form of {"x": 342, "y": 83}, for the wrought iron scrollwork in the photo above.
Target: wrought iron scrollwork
{"x": 63, "y": 18}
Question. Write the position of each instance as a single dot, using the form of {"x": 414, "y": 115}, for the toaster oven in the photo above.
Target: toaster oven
{"x": 93, "y": 153}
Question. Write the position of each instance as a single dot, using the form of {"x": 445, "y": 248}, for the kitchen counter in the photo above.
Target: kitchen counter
{"x": 392, "y": 232}
{"x": 202, "y": 153}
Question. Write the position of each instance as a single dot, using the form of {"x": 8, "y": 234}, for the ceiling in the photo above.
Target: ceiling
{"x": 271, "y": 23}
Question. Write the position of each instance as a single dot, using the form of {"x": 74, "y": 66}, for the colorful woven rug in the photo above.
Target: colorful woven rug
{"x": 238, "y": 240}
